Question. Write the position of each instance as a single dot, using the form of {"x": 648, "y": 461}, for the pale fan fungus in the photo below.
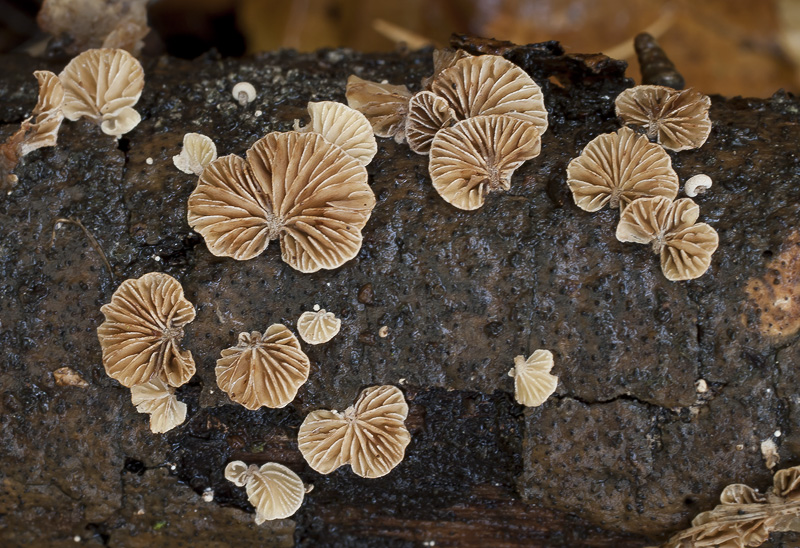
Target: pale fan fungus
{"x": 443, "y": 58}
{"x": 275, "y": 491}
{"x": 427, "y": 114}
{"x": 263, "y": 370}
{"x": 533, "y": 383}
{"x": 318, "y": 327}
{"x": 142, "y": 329}
{"x": 343, "y": 126}
{"x": 103, "y": 85}
{"x": 678, "y": 119}
{"x": 478, "y": 156}
{"x": 671, "y": 227}
{"x": 616, "y": 168}
{"x": 37, "y": 131}
{"x": 157, "y": 399}
{"x": 384, "y": 105}
{"x": 294, "y": 186}
{"x": 198, "y": 151}
{"x": 370, "y": 436}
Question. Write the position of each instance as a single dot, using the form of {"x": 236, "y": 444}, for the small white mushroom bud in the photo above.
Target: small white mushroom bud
{"x": 244, "y": 92}
{"x": 697, "y": 185}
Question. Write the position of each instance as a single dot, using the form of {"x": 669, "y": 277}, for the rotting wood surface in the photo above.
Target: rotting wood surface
{"x": 626, "y": 451}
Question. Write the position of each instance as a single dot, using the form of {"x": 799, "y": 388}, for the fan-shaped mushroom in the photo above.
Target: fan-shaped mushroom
{"x": 678, "y": 119}
{"x": 263, "y": 370}
{"x": 158, "y": 399}
{"x": 384, "y": 105}
{"x": 143, "y": 325}
{"x": 619, "y": 167}
{"x": 345, "y": 127}
{"x": 533, "y": 383}
{"x": 198, "y": 151}
{"x": 685, "y": 246}
{"x": 443, "y": 58}
{"x": 370, "y": 436}
{"x": 275, "y": 491}
{"x": 478, "y": 156}
{"x": 427, "y": 114}
{"x": 103, "y": 85}
{"x": 489, "y": 84}
{"x": 318, "y": 327}
{"x": 295, "y": 186}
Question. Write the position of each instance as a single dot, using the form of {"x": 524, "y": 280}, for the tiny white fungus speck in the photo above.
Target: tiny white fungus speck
{"x": 316, "y": 308}
{"x": 701, "y": 386}
{"x": 257, "y": 113}
{"x": 208, "y": 494}
{"x": 383, "y": 332}
{"x": 244, "y": 92}
{"x": 149, "y": 161}
{"x": 777, "y": 433}
{"x": 76, "y": 538}
{"x": 740, "y": 447}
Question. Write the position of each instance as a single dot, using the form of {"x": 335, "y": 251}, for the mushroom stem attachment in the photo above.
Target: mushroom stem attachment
{"x": 658, "y": 244}
{"x": 654, "y": 64}
{"x": 243, "y": 98}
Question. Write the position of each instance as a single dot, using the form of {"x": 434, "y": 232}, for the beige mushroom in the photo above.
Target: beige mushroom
{"x": 384, "y": 105}
{"x": 678, "y": 119}
{"x": 142, "y": 329}
{"x": 671, "y": 227}
{"x": 489, "y": 84}
{"x": 294, "y": 186}
{"x": 198, "y": 151}
{"x": 103, "y": 85}
{"x": 263, "y": 370}
{"x": 478, "y": 156}
{"x": 275, "y": 491}
{"x": 533, "y": 383}
{"x": 619, "y": 167}
{"x": 697, "y": 185}
{"x": 158, "y": 400}
{"x": 318, "y": 327}
{"x": 370, "y": 436}
{"x": 345, "y": 127}
{"x": 427, "y": 114}
{"x": 244, "y": 92}
{"x": 443, "y": 58}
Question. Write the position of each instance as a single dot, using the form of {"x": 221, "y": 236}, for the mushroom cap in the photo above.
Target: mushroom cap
{"x": 738, "y": 493}
{"x": 296, "y": 186}
{"x": 478, "y": 155}
{"x": 786, "y": 483}
{"x": 620, "y": 167}
{"x": 490, "y": 84}
{"x": 158, "y": 399}
{"x": 685, "y": 246}
{"x": 245, "y": 88}
{"x": 263, "y": 370}
{"x": 677, "y": 118}
{"x": 198, "y": 151}
{"x": 443, "y": 58}
{"x": 427, "y": 114}
{"x": 275, "y": 491}
{"x": 103, "y": 85}
{"x": 533, "y": 383}
{"x": 370, "y": 436}
{"x": 318, "y": 327}
{"x": 384, "y": 105}
{"x": 697, "y": 184}
{"x": 143, "y": 325}
{"x": 345, "y": 127}
{"x": 239, "y": 473}
{"x": 48, "y": 112}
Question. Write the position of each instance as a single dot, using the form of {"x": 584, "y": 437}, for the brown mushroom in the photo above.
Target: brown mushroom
{"x": 294, "y": 186}
{"x": 384, "y": 105}
{"x": 619, "y": 167}
{"x": 533, "y": 383}
{"x": 489, "y": 84}
{"x": 275, "y": 491}
{"x": 198, "y": 151}
{"x": 158, "y": 400}
{"x": 427, "y": 114}
{"x": 318, "y": 327}
{"x": 678, "y": 119}
{"x": 142, "y": 329}
{"x": 443, "y": 58}
{"x": 103, "y": 85}
{"x": 370, "y": 436}
{"x": 263, "y": 370}
{"x": 478, "y": 156}
{"x": 671, "y": 227}
{"x": 345, "y": 127}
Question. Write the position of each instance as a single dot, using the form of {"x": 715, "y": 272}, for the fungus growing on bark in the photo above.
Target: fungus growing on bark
{"x": 671, "y": 227}
{"x": 198, "y": 151}
{"x": 384, "y": 105}
{"x": 533, "y": 383}
{"x": 427, "y": 114}
{"x": 142, "y": 329}
{"x": 697, "y": 185}
{"x": 294, "y": 186}
{"x": 478, "y": 156}
{"x": 66, "y": 376}
{"x": 244, "y": 92}
{"x": 370, "y": 436}
{"x": 263, "y": 370}
{"x": 158, "y": 400}
{"x": 345, "y": 127}
{"x": 318, "y": 327}
{"x": 443, "y": 58}
{"x": 103, "y": 85}
{"x": 678, "y": 119}
{"x": 616, "y": 168}
{"x": 275, "y": 491}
